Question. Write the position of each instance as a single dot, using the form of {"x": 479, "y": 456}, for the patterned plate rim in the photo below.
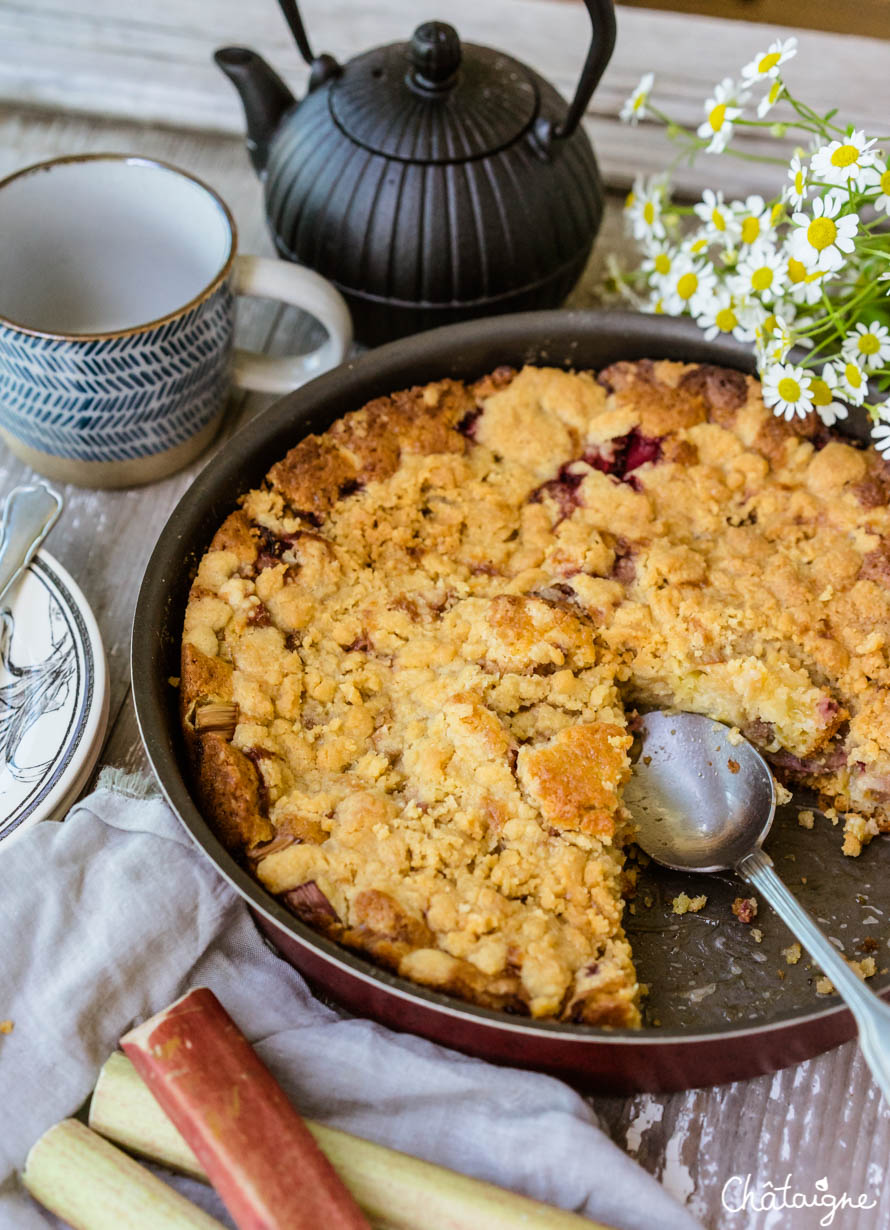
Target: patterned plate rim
{"x": 91, "y": 708}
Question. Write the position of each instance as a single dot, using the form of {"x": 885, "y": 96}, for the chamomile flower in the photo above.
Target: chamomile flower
{"x": 765, "y": 66}
{"x": 823, "y": 389}
{"x": 719, "y": 314}
{"x": 720, "y": 112}
{"x": 655, "y": 304}
{"x": 798, "y": 192}
{"x": 770, "y": 98}
{"x": 761, "y": 271}
{"x": 754, "y": 219}
{"x": 852, "y": 382}
{"x": 821, "y": 241}
{"x": 772, "y": 337}
{"x": 804, "y": 285}
{"x": 882, "y": 173}
{"x": 643, "y": 207}
{"x": 719, "y": 222}
{"x": 786, "y": 390}
{"x": 868, "y": 345}
{"x": 690, "y": 283}
{"x": 634, "y": 108}
{"x": 845, "y": 163}
{"x": 659, "y": 260}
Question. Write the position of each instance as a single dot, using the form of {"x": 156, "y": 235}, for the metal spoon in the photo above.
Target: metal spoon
{"x": 704, "y": 800}
{"x": 28, "y": 516}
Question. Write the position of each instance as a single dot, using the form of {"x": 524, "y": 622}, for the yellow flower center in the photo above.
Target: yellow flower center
{"x": 885, "y": 182}
{"x": 768, "y": 61}
{"x": 762, "y": 278}
{"x": 720, "y": 222}
{"x": 774, "y": 91}
{"x": 799, "y": 181}
{"x": 662, "y": 263}
{"x": 797, "y": 270}
{"x": 638, "y": 102}
{"x": 717, "y": 116}
{"x": 821, "y": 393}
{"x": 768, "y": 325}
{"x": 687, "y": 285}
{"x": 789, "y": 390}
{"x": 659, "y": 307}
{"x": 698, "y": 246}
{"x": 649, "y": 212}
{"x": 726, "y": 320}
{"x": 844, "y": 155}
{"x": 630, "y": 200}
{"x": 777, "y": 213}
{"x": 821, "y": 233}
{"x": 750, "y": 230}
{"x": 868, "y": 344}
{"x": 853, "y": 375}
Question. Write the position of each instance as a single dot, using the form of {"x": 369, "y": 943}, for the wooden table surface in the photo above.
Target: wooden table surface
{"x": 820, "y": 1119}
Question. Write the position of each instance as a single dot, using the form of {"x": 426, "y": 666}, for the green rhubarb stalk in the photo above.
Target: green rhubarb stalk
{"x": 396, "y": 1191}
{"x": 92, "y": 1185}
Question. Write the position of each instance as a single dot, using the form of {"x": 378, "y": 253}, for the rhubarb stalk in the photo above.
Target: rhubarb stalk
{"x": 396, "y": 1191}
{"x": 94, "y": 1186}
{"x": 254, "y": 1147}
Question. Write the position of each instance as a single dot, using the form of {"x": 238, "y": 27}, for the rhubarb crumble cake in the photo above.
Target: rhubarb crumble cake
{"x": 412, "y": 656}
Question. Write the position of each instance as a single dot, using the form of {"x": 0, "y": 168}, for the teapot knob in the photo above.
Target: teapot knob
{"x": 436, "y": 55}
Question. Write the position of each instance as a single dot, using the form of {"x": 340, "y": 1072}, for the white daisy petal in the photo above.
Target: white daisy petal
{"x": 821, "y": 241}
{"x": 868, "y": 345}
{"x": 798, "y": 191}
{"x": 786, "y": 390}
{"x": 644, "y": 206}
{"x": 761, "y": 271}
{"x": 848, "y": 163}
{"x": 720, "y": 112}
{"x": 882, "y": 174}
{"x": 766, "y": 64}
{"x": 634, "y": 108}
{"x": 852, "y": 382}
{"x": 689, "y": 286}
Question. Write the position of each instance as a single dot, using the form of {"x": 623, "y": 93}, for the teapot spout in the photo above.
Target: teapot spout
{"x": 264, "y": 96}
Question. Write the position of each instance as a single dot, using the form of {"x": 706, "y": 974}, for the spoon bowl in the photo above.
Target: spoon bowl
{"x": 701, "y": 796}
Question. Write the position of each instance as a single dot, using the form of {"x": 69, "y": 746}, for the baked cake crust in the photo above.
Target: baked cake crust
{"x": 408, "y": 657}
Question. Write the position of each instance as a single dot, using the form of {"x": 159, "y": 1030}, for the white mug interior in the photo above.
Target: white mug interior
{"x": 98, "y": 245}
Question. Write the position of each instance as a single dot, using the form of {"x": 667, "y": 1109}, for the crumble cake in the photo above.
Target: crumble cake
{"x": 409, "y": 655}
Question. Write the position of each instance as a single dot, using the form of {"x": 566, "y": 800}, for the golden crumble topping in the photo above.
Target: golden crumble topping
{"x": 407, "y": 657}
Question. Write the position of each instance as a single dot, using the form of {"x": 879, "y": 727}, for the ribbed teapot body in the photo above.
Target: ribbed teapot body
{"x": 413, "y": 244}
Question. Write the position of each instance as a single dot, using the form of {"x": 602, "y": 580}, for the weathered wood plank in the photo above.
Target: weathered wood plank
{"x": 152, "y": 61}
{"x": 866, "y": 17}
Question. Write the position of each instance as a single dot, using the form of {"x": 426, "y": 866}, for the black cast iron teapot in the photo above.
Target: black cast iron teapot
{"x": 430, "y": 181}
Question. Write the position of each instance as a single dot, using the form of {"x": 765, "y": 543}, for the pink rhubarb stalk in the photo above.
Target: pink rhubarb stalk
{"x": 256, "y": 1150}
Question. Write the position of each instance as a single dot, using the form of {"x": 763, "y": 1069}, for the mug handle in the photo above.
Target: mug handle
{"x": 303, "y": 288}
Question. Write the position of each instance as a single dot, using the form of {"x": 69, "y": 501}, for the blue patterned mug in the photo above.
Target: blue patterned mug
{"x": 118, "y": 278}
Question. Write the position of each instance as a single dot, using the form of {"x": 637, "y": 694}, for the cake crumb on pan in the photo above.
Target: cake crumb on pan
{"x": 684, "y": 904}
{"x": 745, "y": 909}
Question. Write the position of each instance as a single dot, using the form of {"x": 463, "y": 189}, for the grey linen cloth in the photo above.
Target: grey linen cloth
{"x": 107, "y": 918}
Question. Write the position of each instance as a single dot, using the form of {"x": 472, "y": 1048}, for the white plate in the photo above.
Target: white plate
{"x": 53, "y": 695}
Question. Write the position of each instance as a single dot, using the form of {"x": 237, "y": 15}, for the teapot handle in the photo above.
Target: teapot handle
{"x": 602, "y": 44}
{"x": 323, "y": 66}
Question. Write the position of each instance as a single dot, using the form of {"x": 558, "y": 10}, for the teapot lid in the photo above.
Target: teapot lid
{"x": 433, "y": 100}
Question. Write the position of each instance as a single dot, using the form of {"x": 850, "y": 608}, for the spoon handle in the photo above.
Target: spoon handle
{"x": 872, "y": 1015}
{"x": 28, "y": 516}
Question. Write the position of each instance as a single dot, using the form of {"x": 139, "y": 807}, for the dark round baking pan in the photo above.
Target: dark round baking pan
{"x": 721, "y": 1006}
